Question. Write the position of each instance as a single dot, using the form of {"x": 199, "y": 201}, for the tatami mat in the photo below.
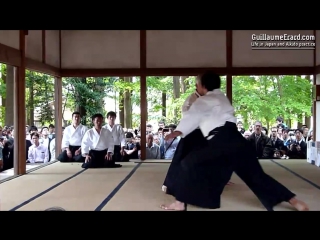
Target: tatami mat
{"x": 304, "y": 169}
{"x": 18, "y": 190}
{"x": 84, "y": 192}
{"x": 142, "y": 191}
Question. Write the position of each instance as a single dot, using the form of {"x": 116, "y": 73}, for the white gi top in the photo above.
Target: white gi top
{"x": 208, "y": 112}
{"x": 117, "y": 133}
{"x": 188, "y": 102}
{"x": 92, "y": 140}
{"x": 38, "y": 154}
{"x": 73, "y": 136}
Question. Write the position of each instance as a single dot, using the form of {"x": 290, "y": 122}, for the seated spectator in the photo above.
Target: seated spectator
{"x": 152, "y": 149}
{"x": 38, "y": 153}
{"x": 132, "y": 148}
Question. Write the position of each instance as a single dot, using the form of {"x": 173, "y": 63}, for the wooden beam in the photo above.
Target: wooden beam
{"x": 43, "y": 46}
{"x": 58, "y": 114}
{"x": 20, "y": 111}
{"x": 229, "y": 44}
{"x": 143, "y": 92}
{"x": 314, "y": 103}
{"x": 9, "y": 55}
{"x": 42, "y": 67}
{"x": 235, "y": 71}
{"x": 60, "y": 50}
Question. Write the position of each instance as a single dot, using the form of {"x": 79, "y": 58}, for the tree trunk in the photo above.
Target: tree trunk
{"x": 81, "y": 109}
{"x": 164, "y": 104}
{"x": 183, "y": 84}
{"x": 176, "y": 92}
{"x": 127, "y": 106}
{"x": 9, "y": 96}
{"x": 121, "y": 104}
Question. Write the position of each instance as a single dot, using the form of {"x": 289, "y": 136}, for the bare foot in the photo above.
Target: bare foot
{"x": 230, "y": 183}
{"x": 176, "y": 206}
{"x": 299, "y": 205}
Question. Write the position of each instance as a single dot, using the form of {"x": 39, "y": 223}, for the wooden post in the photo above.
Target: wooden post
{"x": 229, "y": 64}
{"x": 20, "y": 111}
{"x": 143, "y": 93}
{"x": 58, "y": 113}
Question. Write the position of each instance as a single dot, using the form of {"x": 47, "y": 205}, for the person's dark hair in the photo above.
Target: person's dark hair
{"x": 129, "y": 135}
{"x": 76, "y": 113}
{"x": 33, "y": 128}
{"x": 97, "y": 115}
{"x": 265, "y": 129}
{"x": 63, "y": 128}
{"x": 298, "y": 130}
{"x": 161, "y": 122}
{"x": 51, "y": 126}
{"x": 35, "y": 134}
{"x": 149, "y": 125}
{"x": 44, "y": 128}
{"x": 111, "y": 114}
{"x": 279, "y": 119}
{"x": 160, "y": 129}
{"x": 210, "y": 81}
{"x": 239, "y": 122}
{"x": 285, "y": 130}
{"x": 55, "y": 209}
{"x": 172, "y": 126}
{"x": 280, "y": 125}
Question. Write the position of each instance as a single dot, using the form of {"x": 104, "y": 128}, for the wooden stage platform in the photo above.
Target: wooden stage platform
{"x": 137, "y": 186}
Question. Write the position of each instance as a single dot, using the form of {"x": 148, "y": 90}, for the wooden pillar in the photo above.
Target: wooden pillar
{"x": 229, "y": 64}
{"x": 58, "y": 113}
{"x": 315, "y": 101}
{"x": 20, "y": 111}
{"x": 143, "y": 93}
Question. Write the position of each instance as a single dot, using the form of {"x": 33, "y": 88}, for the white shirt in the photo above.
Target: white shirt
{"x": 92, "y": 140}
{"x": 188, "y": 102}
{"x": 117, "y": 133}
{"x": 44, "y": 142}
{"x": 38, "y": 154}
{"x": 208, "y": 112}
{"x": 73, "y": 136}
{"x": 52, "y": 148}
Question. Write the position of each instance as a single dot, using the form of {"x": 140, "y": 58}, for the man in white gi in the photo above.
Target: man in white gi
{"x": 97, "y": 146}
{"x": 203, "y": 173}
{"x": 118, "y": 136}
{"x": 71, "y": 140}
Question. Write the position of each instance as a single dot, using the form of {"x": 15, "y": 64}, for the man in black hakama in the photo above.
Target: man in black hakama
{"x": 97, "y": 146}
{"x": 203, "y": 173}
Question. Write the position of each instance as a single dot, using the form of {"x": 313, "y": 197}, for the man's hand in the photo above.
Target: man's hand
{"x": 172, "y": 135}
{"x": 88, "y": 158}
{"x": 76, "y": 153}
{"x": 69, "y": 154}
{"x": 298, "y": 148}
{"x": 122, "y": 152}
{"x": 108, "y": 156}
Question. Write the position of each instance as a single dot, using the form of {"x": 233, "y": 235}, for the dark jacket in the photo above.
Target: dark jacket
{"x": 263, "y": 148}
{"x": 295, "y": 154}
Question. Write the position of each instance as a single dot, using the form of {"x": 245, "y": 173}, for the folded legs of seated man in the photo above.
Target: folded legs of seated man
{"x": 98, "y": 159}
{"x": 63, "y": 157}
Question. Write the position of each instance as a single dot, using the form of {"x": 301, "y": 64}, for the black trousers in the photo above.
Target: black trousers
{"x": 191, "y": 142}
{"x": 203, "y": 173}
{"x": 98, "y": 160}
{"x": 63, "y": 157}
{"x": 116, "y": 157}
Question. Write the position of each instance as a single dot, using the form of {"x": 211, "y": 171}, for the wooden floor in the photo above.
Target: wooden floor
{"x": 138, "y": 187}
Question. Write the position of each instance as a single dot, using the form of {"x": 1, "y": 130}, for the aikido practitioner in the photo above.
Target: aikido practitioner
{"x": 71, "y": 140}
{"x": 203, "y": 173}
{"x": 118, "y": 136}
{"x": 191, "y": 142}
{"x": 97, "y": 146}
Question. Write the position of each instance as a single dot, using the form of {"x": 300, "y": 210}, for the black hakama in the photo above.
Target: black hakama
{"x": 191, "y": 142}
{"x": 63, "y": 157}
{"x": 203, "y": 173}
{"x": 98, "y": 160}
